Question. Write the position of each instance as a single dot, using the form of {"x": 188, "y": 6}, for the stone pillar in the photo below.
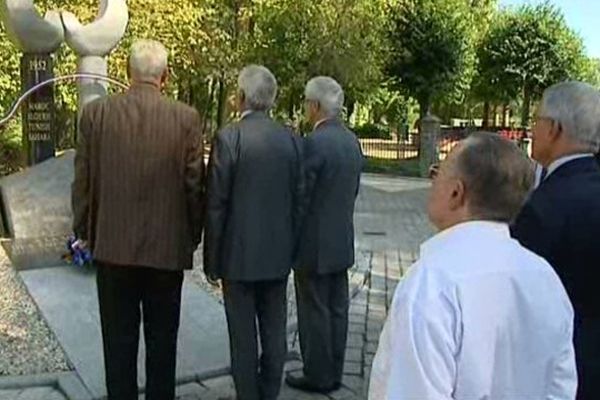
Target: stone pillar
{"x": 428, "y": 154}
{"x": 37, "y": 38}
{"x": 38, "y": 114}
{"x": 91, "y": 89}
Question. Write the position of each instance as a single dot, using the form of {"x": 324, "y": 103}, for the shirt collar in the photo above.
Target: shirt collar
{"x": 246, "y": 113}
{"x": 556, "y": 164}
{"x": 321, "y": 122}
{"x": 465, "y": 231}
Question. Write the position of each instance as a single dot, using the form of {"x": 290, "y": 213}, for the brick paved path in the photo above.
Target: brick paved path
{"x": 390, "y": 224}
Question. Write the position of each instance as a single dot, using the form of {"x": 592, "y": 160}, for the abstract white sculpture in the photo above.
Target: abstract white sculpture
{"x": 28, "y": 30}
{"x": 101, "y": 36}
{"x": 93, "y": 42}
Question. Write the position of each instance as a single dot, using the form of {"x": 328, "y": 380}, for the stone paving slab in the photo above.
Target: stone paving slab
{"x": 391, "y": 214}
{"x": 390, "y": 222}
{"x": 203, "y": 342}
{"x": 40, "y": 393}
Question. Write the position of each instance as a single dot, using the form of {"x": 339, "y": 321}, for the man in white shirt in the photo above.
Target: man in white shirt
{"x": 478, "y": 316}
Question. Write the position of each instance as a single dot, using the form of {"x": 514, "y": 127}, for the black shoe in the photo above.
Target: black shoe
{"x": 301, "y": 383}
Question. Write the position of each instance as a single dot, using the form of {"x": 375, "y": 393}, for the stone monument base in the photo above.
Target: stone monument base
{"x": 36, "y": 212}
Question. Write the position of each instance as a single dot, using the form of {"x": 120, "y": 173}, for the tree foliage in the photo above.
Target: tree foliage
{"x": 452, "y": 54}
{"x": 430, "y": 54}
{"x": 525, "y": 51}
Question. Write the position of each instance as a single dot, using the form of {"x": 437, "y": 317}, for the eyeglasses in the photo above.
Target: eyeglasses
{"x": 434, "y": 171}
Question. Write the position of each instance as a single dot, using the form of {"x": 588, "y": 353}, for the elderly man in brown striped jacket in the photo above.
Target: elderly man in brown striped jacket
{"x": 137, "y": 201}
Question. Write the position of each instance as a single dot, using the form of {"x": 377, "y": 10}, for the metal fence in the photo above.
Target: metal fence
{"x": 404, "y": 147}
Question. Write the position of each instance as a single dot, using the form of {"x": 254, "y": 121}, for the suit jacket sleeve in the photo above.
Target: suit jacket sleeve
{"x": 362, "y": 165}
{"x": 195, "y": 177}
{"x": 299, "y": 187}
{"x": 220, "y": 181}
{"x": 80, "y": 189}
{"x": 313, "y": 164}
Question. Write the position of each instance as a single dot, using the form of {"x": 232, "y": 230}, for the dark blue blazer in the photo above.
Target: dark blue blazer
{"x": 561, "y": 223}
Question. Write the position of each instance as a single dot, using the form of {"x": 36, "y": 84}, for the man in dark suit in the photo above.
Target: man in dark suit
{"x": 137, "y": 202}
{"x": 333, "y": 163}
{"x": 254, "y": 183}
{"x": 561, "y": 220}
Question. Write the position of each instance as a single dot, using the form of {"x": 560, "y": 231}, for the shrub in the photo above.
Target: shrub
{"x": 10, "y": 148}
{"x": 372, "y": 131}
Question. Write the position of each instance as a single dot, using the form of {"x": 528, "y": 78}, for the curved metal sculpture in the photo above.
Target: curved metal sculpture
{"x": 101, "y": 36}
{"x": 28, "y": 30}
{"x": 13, "y": 110}
{"x": 93, "y": 42}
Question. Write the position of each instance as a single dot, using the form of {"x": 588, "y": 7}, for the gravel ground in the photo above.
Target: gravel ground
{"x": 27, "y": 346}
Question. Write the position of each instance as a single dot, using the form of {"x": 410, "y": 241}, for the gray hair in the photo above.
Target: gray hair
{"x": 497, "y": 176}
{"x": 259, "y": 87}
{"x": 576, "y": 106}
{"x": 328, "y": 93}
{"x": 147, "y": 59}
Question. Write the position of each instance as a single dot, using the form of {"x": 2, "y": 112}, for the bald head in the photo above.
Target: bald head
{"x": 497, "y": 175}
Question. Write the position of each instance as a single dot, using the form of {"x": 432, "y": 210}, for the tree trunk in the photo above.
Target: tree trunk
{"x": 291, "y": 108}
{"x": 208, "y": 110}
{"x": 351, "y": 106}
{"x": 424, "y": 110}
{"x": 505, "y": 111}
{"x": 494, "y": 115}
{"x": 526, "y": 108}
{"x": 486, "y": 115}
{"x": 221, "y": 99}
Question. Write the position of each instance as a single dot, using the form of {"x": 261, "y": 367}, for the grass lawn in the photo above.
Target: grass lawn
{"x": 408, "y": 167}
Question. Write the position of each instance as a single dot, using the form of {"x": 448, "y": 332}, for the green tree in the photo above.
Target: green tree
{"x": 430, "y": 49}
{"x": 301, "y": 39}
{"x": 525, "y": 51}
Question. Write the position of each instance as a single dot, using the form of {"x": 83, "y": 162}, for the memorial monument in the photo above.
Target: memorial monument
{"x": 35, "y": 203}
{"x": 93, "y": 42}
{"x": 37, "y": 38}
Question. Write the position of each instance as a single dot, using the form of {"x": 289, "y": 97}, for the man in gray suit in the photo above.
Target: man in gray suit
{"x": 333, "y": 163}
{"x": 253, "y": 191}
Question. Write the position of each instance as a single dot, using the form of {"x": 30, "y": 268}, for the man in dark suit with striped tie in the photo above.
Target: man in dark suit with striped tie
{"x": 137, "y": 202}
{"x": 561, "y": 219}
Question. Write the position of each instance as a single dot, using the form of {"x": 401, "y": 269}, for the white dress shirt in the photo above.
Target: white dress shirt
{"x": 478, "y": 317}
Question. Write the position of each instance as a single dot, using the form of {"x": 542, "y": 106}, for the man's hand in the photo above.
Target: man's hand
{"x": 80, "y": 245}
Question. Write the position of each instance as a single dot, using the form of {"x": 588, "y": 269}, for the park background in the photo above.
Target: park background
{"x": 472, "y": 63}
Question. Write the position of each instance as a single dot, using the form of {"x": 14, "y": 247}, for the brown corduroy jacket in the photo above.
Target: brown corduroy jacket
{"x": 138, "y": 192}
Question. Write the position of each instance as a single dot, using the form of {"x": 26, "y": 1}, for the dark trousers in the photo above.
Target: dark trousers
{"x": 587, "y": 349}
{"x": 323, "y": 302}
{"x": 123, "y": 292}
{"x": 248, "y": 305}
